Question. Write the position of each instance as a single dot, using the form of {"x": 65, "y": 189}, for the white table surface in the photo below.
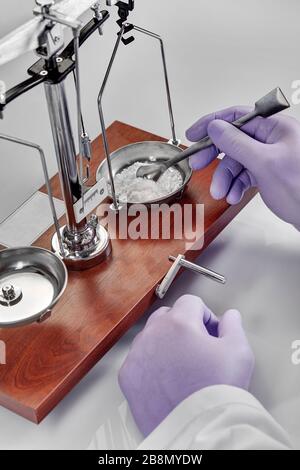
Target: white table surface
{"x": 260, "y": 256}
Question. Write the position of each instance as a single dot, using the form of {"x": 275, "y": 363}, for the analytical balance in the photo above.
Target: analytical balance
{"x": 46, "y": 359}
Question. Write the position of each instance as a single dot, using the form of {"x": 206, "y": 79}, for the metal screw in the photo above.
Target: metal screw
{"x": 94, "y": 220}
{"x": 43, "y": 73}
{"x": 8, "y": 292}
{"x": 97, "y": 10}
{"x": 177, "y": 143}
{"x": 59, "y": 59}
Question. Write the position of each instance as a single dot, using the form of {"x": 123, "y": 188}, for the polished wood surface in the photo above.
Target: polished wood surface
{"x": 45, "y": 361}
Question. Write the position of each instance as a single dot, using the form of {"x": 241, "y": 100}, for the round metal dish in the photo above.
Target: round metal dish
{"x": 32, "y": 280}
{"x": 147, "y": 152}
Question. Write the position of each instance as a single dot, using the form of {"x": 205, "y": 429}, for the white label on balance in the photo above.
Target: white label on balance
{"x": 92, "y": 198}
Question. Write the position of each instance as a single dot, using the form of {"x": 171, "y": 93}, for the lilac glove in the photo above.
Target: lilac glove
{"x": 180, "y": 351}
{"x": 267, "y": 156}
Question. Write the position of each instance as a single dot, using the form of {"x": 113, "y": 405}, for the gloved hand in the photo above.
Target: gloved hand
{"x": 267, "y": 156}
{"x": 180, "y": 351}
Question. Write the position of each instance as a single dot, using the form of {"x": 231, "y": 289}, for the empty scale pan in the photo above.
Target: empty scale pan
{"x": 32, "y": 280}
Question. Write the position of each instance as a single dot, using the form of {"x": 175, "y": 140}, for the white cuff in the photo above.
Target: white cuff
{"x": 220, "y": 416}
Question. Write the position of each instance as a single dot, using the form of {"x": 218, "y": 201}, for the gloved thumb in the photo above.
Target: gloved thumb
{"x": 236, "y": 144}
{"x": 230, "y": 326}
{"x": 231, "y": 330}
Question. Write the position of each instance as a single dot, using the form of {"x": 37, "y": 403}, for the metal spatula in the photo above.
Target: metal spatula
{"x": 273, "y": 103}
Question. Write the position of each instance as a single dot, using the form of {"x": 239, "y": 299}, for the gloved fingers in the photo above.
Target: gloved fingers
{"x": 236, "y": 193}
{"x": 237, "y": 145}
{"x": 199, "y": 130}
{"x": 262, "y": 128}
{"x": 232, "y": 333}
{"x": 202, "y": 159}
{"x": 212, "y": 324}
{"x": 136, "y": 340}
{"x": 158, "y": 313}
{"x": 259, "y": 128}
{"x": 190, "y": 309}
{"x": 248, "y": 178}
{"x": 230, "y": 326}
{"x": 224, "y": 176}
{"x": 240, "y": 185}
{"x": 154, "y": 316}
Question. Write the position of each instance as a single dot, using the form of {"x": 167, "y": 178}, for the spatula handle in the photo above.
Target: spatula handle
{"x": 207, "y": 142}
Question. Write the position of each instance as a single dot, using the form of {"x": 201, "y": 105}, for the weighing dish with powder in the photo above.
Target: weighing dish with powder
{"x": 132, "y": 190}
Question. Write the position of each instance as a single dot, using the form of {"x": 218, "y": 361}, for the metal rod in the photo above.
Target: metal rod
{"x": 200, "y": 270}
{"x": 82, "y": 121}
{"x": 100, "y": 97}
{"x": 16, "y": 140}
{"x": 61, "y": 19}
{"x": 65, "y": 151}
{"x": 102, "y": 120}
{"x": 166, "y": 283}
{"x": 79, "y": 108}
{"x": 164, "y": 61}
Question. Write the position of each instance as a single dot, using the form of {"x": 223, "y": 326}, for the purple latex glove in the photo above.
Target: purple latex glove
{"x": 180, "y": 351}
{"x": 266, "y": 154}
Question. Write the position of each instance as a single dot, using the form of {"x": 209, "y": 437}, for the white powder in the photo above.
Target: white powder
{"x": 129, "y": 188}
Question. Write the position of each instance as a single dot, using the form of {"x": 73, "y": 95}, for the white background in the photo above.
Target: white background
{"x": 220, "y": 52}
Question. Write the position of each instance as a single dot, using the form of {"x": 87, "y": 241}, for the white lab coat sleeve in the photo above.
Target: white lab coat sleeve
{"x": 218, "y": 417}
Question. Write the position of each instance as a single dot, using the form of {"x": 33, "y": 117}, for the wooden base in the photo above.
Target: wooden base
{"x": 45, "y": 361}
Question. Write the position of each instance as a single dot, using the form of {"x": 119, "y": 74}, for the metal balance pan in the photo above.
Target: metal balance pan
{"x": 32, "y": 280}
{"x": 148, "y": 152}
